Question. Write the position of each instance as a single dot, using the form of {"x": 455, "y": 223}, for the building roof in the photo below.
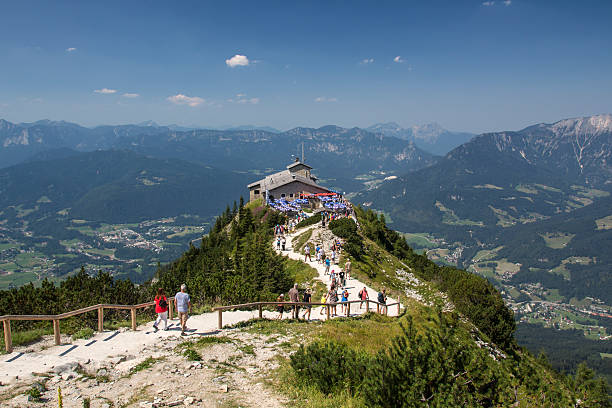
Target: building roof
{"x": 282, "y": 178}
{"x": 298, "y": 163}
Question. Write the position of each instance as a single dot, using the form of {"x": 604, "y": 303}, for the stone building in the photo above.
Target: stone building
{"x": 287, "y": 184}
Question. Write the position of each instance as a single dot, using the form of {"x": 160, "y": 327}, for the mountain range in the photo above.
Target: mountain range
{"x": 430, "y": 137}
{"x": 343, "y": 158}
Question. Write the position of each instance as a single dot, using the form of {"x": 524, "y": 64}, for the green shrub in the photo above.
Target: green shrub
{"x": 34, "y": 394}
{"x": 329, "y": 366}
{"x": 309, "y": 221}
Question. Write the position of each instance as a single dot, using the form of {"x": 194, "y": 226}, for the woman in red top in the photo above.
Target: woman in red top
{"x": 161, "y": 308}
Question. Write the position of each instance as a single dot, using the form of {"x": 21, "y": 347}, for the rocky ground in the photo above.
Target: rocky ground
{"x": 231, "y": 373}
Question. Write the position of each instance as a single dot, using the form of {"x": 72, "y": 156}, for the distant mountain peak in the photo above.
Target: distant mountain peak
{"x": 588, "y": 125}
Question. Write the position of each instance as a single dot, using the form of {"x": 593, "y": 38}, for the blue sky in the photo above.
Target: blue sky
{"x": 468, "y": 65}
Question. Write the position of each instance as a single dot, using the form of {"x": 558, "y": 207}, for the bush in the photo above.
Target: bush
{"x": 344, "y": 228}
{"x": 309, "y": 221}
{"x": 330, "y": 366}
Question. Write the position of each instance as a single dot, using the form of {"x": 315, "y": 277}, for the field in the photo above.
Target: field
{"x": 420, "y": 240}
{"x": 557, "y": 240}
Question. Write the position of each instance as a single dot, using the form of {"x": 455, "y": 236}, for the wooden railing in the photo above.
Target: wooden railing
{"x": 6, "y": 320}
{"x": 328, "y": 306}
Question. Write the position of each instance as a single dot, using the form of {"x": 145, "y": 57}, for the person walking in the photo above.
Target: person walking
{"x": 183, "y": 307}
{"x": 347, "y": 269}
{"x": 278, "y": 242}
{"x": 341, "y": 276}
{"x": 344, "y": 300}
{"x": 307, "y": 299}
{"x": 294, "y": 296}
{"x": 382, "y": 299}
{"x": 280, "y": 307}
{"x": 333, "y": 256}
{"x": 327, "y": 265}
{"x": 332, "y": 300}
{"x": 363, "y": 295}
{"x": 161, "y": 308}
{"x": 283, "y": 243}
{"x": 323, "y": 300}
{"x": 307, "y": 253}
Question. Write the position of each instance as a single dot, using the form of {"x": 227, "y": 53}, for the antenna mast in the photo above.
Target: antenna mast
{"x": 302, "y": 152}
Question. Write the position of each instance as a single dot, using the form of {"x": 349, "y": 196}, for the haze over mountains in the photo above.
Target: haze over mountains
{"x": 430, "y": 137}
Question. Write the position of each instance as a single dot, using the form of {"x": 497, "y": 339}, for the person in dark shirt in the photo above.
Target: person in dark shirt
{"x": 307, "y": 299}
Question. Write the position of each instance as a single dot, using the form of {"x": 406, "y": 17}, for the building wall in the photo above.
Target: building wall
{"x": 253, "y": 195}
{"x": 295, "y": 188}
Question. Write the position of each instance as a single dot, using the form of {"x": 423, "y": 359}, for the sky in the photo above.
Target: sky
{"x": 468, "y": 65}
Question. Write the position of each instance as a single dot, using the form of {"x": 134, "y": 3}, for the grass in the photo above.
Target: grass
{"x": 145, "y": 364}
{"x": 192, "y": 355}
{"x": 604, "y": 223}
{"x": 209, "y": 340}
{"x": 300, "y": 241}
{"x": 419, "y": 240}
{"x": 247, "y": 349}
{"x": 557, "y": 240}
{"x": 307, "y": 396}
{"x": 21, "y": 338}
{"x": 85, "y": 333}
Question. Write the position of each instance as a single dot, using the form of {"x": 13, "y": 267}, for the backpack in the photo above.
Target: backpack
{"x": 162, "y": 303}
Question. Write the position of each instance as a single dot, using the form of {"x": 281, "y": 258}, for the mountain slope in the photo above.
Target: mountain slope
{"x": 501, "y": 179}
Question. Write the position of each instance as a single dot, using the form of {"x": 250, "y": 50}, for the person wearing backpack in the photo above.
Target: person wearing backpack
{"x": 161, "y": 308}
{"x": 382, "y": 299}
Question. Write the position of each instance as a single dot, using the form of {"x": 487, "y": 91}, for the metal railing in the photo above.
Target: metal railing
{"x": 6, "y": 320}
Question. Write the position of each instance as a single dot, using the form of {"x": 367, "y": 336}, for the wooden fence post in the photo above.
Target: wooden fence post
{"x": 348, "y": 309}
{"x": 220, "y": 320}
{"x": 56, "y": 332}
{"x": 8, "y": 337}
{"x": 101, "y": 319}
{"x": 368, "y": 305}
{"x": 133, "y": 313}
{"x": 327, "y": 306}
{"x": 261, "y": 311}
{"x": 170, "y": 309}
{"x": 386, "y": 310}
{"x": 377, "y": 308}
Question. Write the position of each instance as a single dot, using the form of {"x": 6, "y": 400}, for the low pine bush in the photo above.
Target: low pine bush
{"x": 330, "y": 366}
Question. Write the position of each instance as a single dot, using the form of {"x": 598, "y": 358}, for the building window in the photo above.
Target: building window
{"x": 256, "y": 192}
{"x": 291, "y": 195}
{"x": 283, "y": 195}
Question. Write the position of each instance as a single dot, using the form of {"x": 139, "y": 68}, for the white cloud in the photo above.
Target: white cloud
{"x": 237, "y": 60}
{"x": 242, "y": 99}
{"x": 325, "y": 99}
{"x": 507, "y": 2}
{"x": 180, "y": 99}
{"x": 130, "y": 95}
{"x": 367, "y": 61}
{"x": 398, "y": 59}
{"x": 71, "y": 49}
{"x": 488, "y": 3}
{"x": 105, "y": 91}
